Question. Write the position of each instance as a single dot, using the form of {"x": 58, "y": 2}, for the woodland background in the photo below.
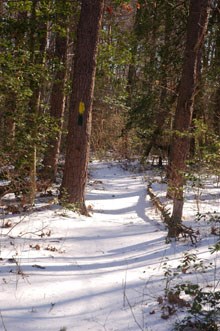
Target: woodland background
{"x": 156, "y": 69}
{"x": 110, "y": 109}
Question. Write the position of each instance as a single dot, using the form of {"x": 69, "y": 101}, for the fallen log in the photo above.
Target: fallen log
{"x": 158, "y": 204}
{"x": 182, "y": 230}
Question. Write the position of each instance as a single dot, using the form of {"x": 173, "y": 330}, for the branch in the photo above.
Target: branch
{"x": 158, "y": 204}
{"x": 134, "y": 317}
{"x": 181, "y": 229}
{"x": 3, "y": 324}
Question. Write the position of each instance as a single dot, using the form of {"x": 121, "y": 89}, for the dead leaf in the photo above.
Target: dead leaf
{"x": 7, "y": 224}
{"x": 37, "y": 247}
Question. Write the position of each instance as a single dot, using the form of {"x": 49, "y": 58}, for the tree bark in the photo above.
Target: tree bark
{"x": 196, "y": 29}
{"x": 1, "y": 8}
{"x": 33, "y": 106}
{"x": 57, "y": 107}
{"x": 216, "y": 115}
{"x": 34, "y": 103}
{"x": 79, "y": 125}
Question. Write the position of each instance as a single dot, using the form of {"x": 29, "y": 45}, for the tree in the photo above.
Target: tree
{"x": 58, "y": 94}
{"x": 196, "y": 29}
{"x": 26, "y": 72}
{"x": 79, "y": 124}
{"x": 110, "y": 104}
{"x": 159, "y": 32}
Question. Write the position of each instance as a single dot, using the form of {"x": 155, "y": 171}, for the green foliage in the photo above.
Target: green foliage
{"x": 211, "y": 218}
{"x": 204, "y": 311}
{"x": 207, "y": 147}
{"x": 215, "y": 248}
{"x": 201, "y": 306}
{"x": 110, "y": 104}
{"x": 26, "y": 68}
{"x": 64, "y": 201}
{"x": 191, "y": 262}
{"x": 157, "y": 32}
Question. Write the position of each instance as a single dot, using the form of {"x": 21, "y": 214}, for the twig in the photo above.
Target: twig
{"x": 33, "y": 232}
{"x": 3, "y": 323}
{"x": 134, "y": 317}
{"x": 124, "y": 284}
{"x": 21, "y": 220}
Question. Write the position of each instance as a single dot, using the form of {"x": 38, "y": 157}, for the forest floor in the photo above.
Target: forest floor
{"x": 112, "y": 271}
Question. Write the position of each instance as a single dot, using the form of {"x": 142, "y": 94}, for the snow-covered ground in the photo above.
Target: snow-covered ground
{"x": 61, "y": 271}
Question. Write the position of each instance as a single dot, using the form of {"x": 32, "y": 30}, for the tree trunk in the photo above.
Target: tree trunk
{"x": 196, "y": 29}
{"x": 163, "y": 108}
{"x": 57, "y": 107}
{"x": 216, "y": 115}
{"x": 1, "y": 8}
{"x": 34, "y": 104}
{"x": 79, "y": 127}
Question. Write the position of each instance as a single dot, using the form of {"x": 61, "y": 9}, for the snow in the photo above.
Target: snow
{"x": 62, "y": 271}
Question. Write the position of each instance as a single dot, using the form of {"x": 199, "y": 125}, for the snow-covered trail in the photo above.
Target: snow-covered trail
{"x": 117, "y": 192}
{"x": 98, "y": 271}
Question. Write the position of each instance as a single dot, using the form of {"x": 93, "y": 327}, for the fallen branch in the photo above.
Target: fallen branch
{"x": 5, "y": 190}
{"x": 185, "y": 232}
{"x": 181, "y": 229}
{"x": 158, "y": 205}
